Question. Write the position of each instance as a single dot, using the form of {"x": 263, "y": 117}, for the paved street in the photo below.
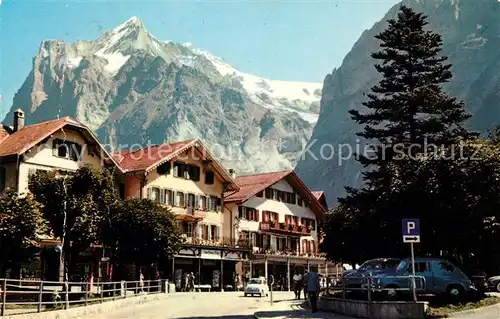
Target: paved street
{"x": 227, "y": 305}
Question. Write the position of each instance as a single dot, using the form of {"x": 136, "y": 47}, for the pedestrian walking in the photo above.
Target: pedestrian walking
{"x": 297, "y": 284}
{"x": 313, "y": 289}
{"x": 191, "y": 282}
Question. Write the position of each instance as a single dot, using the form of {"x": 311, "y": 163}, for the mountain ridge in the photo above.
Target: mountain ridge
{"x": 131, "y": 87}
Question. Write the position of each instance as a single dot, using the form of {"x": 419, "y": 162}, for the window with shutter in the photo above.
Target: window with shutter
{"x": 204, "y": 232}
{"x": 178, "y": 169}
{"x": 195, "y": 173}
{"x": 180, "y": 199}
{"x": 209, "y": 203}
{"x": 150, "y": 193}
{"x": 168, "y": 197}
{"x": 213, "y": 202}
{"x": 162, "y": 196}
{"x": 197, "y": 202}
{"x": 163, "y": 169}
{"x": 209, "y": 177}
{"x": 204, "y": 202}
{"x": 269, "y": 193}
{"x": 191, "y": 200}
{"x": 218, "y": 204}
{"x": 240, "y": 212}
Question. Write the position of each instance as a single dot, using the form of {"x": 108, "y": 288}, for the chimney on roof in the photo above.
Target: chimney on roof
{"x": 18, "y": 120}
{"x": 233, "y": 173}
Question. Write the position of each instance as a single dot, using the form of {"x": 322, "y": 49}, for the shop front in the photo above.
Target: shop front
{"x": 213, "y": 268}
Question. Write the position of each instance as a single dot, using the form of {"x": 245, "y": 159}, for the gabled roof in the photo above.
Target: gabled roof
{"x": 17, "y": 143}
{"x": 250, "y": 185}
{"x": 147, "y": 159}
{"x": 318, "y": 194}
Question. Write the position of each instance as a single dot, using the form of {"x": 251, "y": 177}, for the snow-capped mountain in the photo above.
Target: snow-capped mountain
{"x": 134, "y": 88}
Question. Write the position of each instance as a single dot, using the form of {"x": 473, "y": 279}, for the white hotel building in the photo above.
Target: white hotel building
{"x": 279, "y": 215}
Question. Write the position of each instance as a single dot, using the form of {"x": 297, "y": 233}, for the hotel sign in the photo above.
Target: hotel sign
{"x": 210, "y": 254}
{"x": 232, "y": 255}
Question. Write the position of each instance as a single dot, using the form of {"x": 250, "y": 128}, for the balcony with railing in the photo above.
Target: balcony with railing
{"x": 288, "y": 253}
{"x": 189, "y": 213}
{"x": 216, "y": 242}
{"x": 274, "y": 226}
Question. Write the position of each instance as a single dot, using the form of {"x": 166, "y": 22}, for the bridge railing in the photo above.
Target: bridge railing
{"x": 26, "y": 296}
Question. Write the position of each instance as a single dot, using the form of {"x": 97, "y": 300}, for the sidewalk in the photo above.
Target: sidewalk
{"x": 292, "y": 310}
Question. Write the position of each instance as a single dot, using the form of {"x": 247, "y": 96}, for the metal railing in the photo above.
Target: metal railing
{"x": 372, "y": 288}
{"x": 25, "y": 296}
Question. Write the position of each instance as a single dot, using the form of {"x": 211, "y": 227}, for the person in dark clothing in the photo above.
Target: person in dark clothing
{"x": 313, "y": 289}
{"x": 305, "y": 279}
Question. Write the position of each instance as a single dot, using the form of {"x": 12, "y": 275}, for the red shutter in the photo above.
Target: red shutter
{"x": 256, "y": 215}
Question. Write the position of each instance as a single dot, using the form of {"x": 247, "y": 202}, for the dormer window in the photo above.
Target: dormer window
{"x": 163, "y": 169}
{"x": 209, "y": 177}
{"x": 66, "y": 149}
{"x": 178, "y": 169}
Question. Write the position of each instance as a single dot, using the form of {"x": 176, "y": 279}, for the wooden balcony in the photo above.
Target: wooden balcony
{"x": 285, "y": 228}
{"x": 220, "y": 242}
{"x": 189, "y": 213}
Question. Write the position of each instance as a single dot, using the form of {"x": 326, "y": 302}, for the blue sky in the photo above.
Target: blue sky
{"x": 285, "y": 40}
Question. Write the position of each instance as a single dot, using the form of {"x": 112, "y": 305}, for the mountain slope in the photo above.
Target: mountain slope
{"x": 471, "y": 37}
{"x": 135, "y": 89}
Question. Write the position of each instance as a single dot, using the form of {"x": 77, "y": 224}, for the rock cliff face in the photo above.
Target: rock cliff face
{"x": 135, "y": 89}
{"x": 471, "y": 38}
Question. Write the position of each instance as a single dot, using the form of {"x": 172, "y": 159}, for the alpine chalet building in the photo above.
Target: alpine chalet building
{"x": 279, "y": 215}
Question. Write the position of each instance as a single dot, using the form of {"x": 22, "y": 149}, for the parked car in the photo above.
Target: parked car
{"x": 433, "y": 276}
{"x": 257, "y": 286}
{"x": 494, "y": 283}
{"x": 354, "y": 279}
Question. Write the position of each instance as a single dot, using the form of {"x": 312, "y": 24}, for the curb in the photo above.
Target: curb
{"x": 473, "y": 311}
{"x": 299, "y": 306}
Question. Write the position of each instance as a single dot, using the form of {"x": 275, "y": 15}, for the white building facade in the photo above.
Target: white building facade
{"x": 279, "y": 215}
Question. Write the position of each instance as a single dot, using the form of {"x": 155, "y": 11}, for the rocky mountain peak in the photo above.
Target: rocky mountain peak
{"x": 133, "y": 88}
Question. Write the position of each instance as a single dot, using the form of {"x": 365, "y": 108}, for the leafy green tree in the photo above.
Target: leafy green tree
{"x": 77, "y": 206}
{"x": 142, "y": 232}
{"x": 21, "y": 226}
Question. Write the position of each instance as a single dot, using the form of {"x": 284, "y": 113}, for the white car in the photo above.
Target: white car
{"x": 257, "y": 286}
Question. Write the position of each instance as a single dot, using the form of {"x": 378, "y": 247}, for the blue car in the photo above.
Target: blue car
{"x": 354, "y": 279}
{"x": 432, "y": 276}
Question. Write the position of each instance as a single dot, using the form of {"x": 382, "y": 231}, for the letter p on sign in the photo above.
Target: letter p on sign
{"x": 411, "y": 230}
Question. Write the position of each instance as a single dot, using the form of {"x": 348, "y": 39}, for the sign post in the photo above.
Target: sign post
{"x": 411, "y": 235}
{"x": 271, "y": 283}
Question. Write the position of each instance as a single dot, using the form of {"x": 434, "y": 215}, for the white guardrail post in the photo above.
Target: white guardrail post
{"x": 4, "y": 297}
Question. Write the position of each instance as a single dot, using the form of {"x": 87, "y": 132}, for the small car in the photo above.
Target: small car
{"x": 494, "y": 283}
{"x": 257, "y": 286}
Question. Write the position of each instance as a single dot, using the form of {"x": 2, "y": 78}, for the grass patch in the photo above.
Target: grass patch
{"x": 443, "y": 311}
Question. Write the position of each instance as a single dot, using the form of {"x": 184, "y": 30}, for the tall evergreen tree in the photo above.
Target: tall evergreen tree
{"x": 407, "y": 108}
{"x": 408, "y": 114}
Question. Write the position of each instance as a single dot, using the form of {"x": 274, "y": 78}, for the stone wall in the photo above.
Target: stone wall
{"x": 374, "y": 309}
